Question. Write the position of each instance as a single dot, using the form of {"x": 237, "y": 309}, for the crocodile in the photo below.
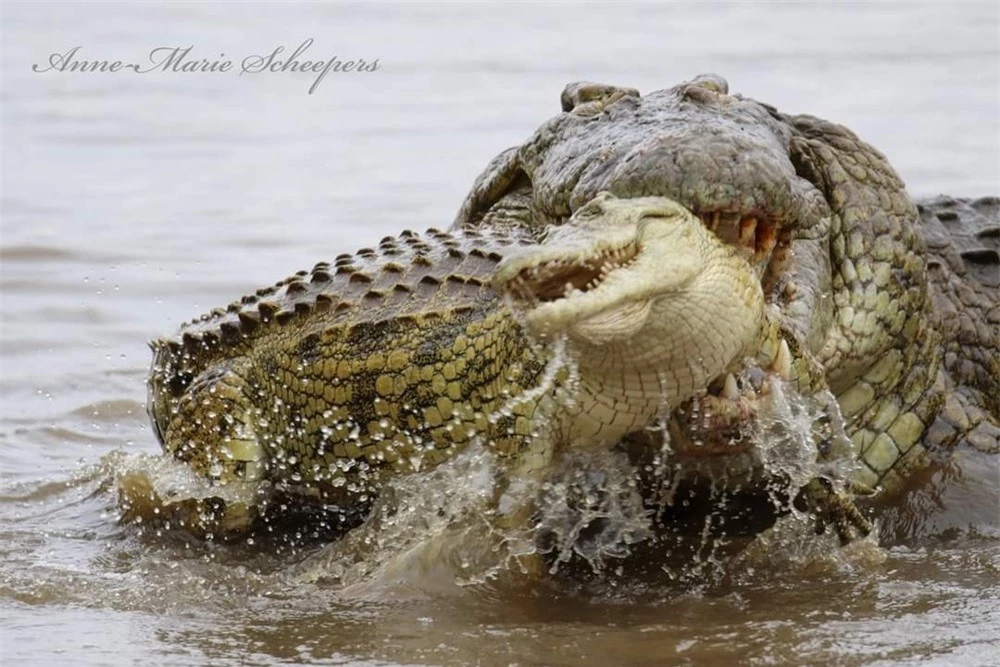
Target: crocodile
{"x": 891, "y": 307}
{"x": 394, "y": 359}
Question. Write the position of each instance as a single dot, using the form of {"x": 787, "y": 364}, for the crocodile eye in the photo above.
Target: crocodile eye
{"x": 712, "y": 82}
{"x": 705, "y": 88}
{"x": 583, "y": 95}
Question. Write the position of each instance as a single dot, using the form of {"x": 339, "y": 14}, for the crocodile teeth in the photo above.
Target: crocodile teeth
{"x": 783, "y": 361}
{"x": 729, "y": 389}
{"x": 766, "y": 240}
{"x": 748, "y": 232}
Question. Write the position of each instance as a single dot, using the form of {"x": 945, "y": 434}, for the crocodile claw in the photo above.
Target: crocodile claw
{"x": 832, "y": 507}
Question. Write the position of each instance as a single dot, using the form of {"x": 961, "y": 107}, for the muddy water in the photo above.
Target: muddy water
{"x": 133, "y": 201}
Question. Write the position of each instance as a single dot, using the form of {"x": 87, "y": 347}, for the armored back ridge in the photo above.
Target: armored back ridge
{"x": 314, "y": 376}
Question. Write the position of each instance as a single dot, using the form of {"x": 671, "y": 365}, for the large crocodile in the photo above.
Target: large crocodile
{"x": 893, "y": 307}
{"x": 392, "y": 360}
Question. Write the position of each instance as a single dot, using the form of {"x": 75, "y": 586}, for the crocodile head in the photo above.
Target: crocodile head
{"x": 619, "y": 270}
{"x": 744, "y": 169}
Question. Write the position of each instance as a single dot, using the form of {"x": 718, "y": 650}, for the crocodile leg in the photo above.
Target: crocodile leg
{"x": 832, "y": 507}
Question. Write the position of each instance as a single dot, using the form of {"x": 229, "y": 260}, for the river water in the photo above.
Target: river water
{"x": 135, "y": 200}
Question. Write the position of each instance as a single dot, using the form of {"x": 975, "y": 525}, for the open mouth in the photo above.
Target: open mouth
{"x": 715, "y": 422}
{"x": 554, "y": 280}
{"x": 757, "y": 235}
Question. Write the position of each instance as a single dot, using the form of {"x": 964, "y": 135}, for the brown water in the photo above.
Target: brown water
{"x": 132, "y": 202}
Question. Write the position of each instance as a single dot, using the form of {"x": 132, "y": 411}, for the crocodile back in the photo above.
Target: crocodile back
{"x": 963, "y": 244}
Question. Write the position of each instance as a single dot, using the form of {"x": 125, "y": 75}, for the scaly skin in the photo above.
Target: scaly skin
{"x": 392, "y": 360}
{"x": 896, "y": 317}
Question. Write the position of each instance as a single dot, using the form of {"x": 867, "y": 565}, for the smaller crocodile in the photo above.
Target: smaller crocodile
{"x": 392, "y": 360}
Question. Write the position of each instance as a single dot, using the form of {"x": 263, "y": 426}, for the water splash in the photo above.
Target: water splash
{"x": 168, "y": 495}
{"x": 708, "y": 508}
{"x": 800, "y": 437}
{"x": 590, "y": 508}
{"x": 440, "y": 518}
{"x": 549, "y": 382}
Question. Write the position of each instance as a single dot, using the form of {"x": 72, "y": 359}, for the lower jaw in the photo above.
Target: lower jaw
{"x": 703, "y": 433}
{"x": 721, "y": 424}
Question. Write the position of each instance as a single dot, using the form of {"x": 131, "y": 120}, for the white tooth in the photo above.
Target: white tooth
{"x": 730, "y": 390}
{"x": 767, "y": 244}
{"x": 783, "y": 361}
